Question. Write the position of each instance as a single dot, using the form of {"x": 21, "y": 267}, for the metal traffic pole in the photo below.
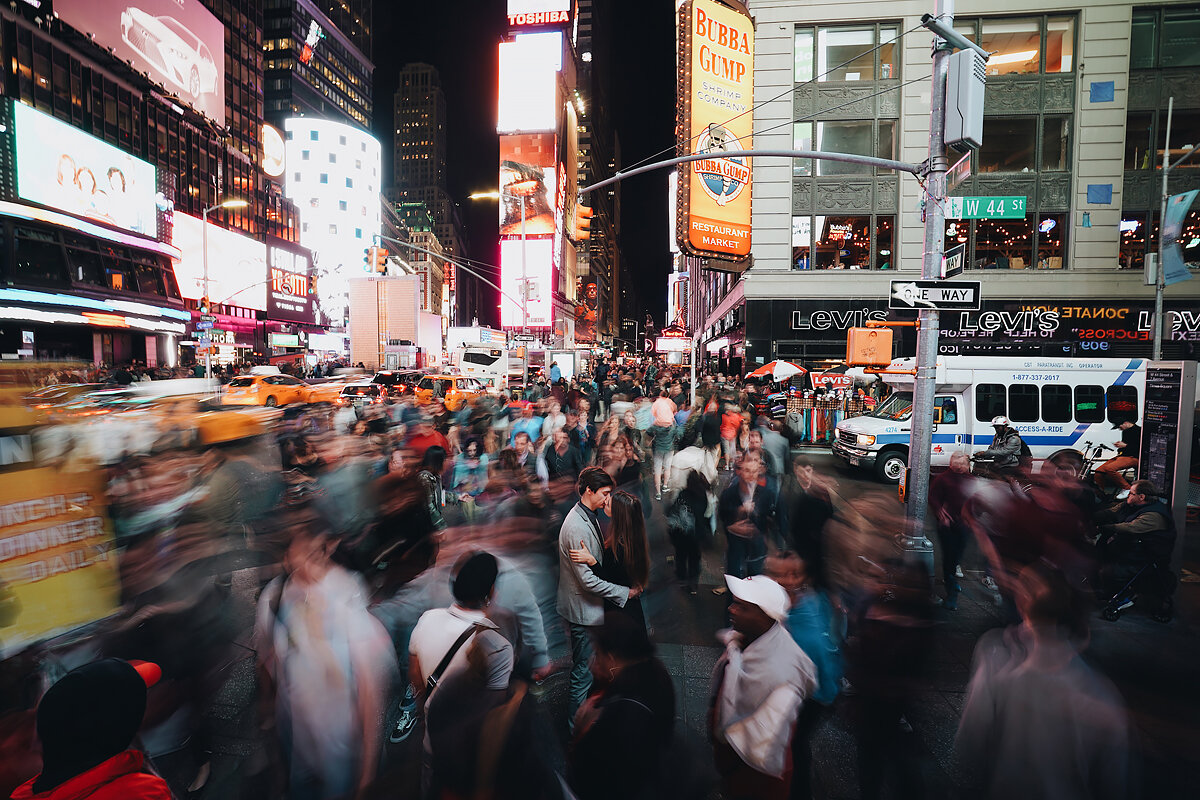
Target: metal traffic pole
{"x": 1159, "y": 276}
{"x": 925, "y": 382}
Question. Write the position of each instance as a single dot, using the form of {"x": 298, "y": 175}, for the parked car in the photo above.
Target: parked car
{"x": 179, "y": 55}
{"x": 327, "y": 390}
{"x": 454, "y": 390}
{"x": 266, "y": 390}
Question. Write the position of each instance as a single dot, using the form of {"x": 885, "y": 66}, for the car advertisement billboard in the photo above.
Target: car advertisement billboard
{"x": 529, "y": 66}
{"x": 527, "y": 177}
{"x": 237, "y": 265}
{"x": 716, "y": 93}
{"x": 290, "y": 289}
{"x": 177, "y": 43}
{"x": 62, "y": 167}
{"x": 538, "y": 277}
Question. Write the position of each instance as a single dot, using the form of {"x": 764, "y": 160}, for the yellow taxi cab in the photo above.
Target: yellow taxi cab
{"x": 454, "y": 390}
{"x": 265, "y": 390}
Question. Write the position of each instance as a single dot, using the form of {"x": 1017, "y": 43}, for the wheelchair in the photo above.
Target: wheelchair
{"x": 1152, "y": 588}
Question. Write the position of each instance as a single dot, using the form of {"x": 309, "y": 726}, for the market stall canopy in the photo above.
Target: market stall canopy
{"x": 777, "y": 371}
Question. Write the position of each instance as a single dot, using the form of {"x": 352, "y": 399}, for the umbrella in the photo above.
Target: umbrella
{"x": 777, "y": 371}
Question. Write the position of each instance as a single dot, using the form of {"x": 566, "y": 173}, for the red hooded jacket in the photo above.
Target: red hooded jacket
{"x": 118, "y": 778}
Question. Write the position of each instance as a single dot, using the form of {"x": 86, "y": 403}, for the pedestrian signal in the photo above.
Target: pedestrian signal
{"x": 869, "y": 347}
{"x": 583, "y": 223}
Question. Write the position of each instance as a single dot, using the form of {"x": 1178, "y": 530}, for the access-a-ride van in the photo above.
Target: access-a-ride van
{"x": 1056, "y": 404}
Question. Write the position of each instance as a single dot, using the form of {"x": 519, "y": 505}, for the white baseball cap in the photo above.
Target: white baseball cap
{"x": 761, "y": 591}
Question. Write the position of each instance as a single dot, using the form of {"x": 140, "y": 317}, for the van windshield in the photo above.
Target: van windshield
{"x": 897, "y": 407}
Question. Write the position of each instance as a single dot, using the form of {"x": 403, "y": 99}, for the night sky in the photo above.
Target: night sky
{"x": 459, "y": 37}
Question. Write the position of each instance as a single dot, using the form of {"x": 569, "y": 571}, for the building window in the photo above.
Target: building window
{"x": 332, "y": 158}
{"x": 314, "y": 136}
{"x": 296, "y": 177}
{"x": 1146, "y": 138}
{"x": 349, "y": 183}
{"x": 1036, "y": 242}
{"x": 1024, "y": 45}
{"x": 341, "y": 205}
{"x": 842, "y": 242}
{"x": 333, "y": 230}
{"x": 865, "y": 53}
{"x": 304, "y": 155}
{"x": 358, "y": 233}
{"x": 1165, "y": 38}
{"x": 324, "y": 177}
{"x": 856, "y": 137}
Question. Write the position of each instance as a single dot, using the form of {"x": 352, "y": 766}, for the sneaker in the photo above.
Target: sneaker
{"x": 988, "y": 583}
{"x": 720, "y": 590}
{"x": 958, "y": 572}
{"x": 404, "y": 725}
{"x": 950, "y": 604}
{"x": 658, "y": 496}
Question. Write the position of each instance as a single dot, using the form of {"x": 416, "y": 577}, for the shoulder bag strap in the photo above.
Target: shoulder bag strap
{"x": 435, "y": 676}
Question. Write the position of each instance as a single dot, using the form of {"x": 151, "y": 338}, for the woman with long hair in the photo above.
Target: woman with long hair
{"x": 625, "y": 560}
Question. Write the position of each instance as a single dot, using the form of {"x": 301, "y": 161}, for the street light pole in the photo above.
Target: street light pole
{"x": 204, "y": 289}
{"x": 524, "y": 273}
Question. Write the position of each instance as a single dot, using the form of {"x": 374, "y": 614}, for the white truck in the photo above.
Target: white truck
{"x": 1056, "y": 404}
{"x": 487, "y": 363}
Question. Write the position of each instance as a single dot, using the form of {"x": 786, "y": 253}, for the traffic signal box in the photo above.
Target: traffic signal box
{"x": 583, "y": 223}
{"x": 869, "y": 347}
{"x": 375, "y": 259}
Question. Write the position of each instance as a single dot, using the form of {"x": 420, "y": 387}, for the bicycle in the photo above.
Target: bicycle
{"x": 1093, "y": 457}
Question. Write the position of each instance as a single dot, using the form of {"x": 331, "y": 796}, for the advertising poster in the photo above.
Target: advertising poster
{"x": 62, "y": 167}
{"x": 527, "y": 175}
{"x": 290, "y": 289}
{"x": 538, "y": 273}
{"x": 716, "y": 92}
{"x": 237, "y": 265}
{"x": 58, "y": 569}
{"x": 587, "y": 311}
{"x": 1175, "y": 269}
{"x": 177, "y": 43}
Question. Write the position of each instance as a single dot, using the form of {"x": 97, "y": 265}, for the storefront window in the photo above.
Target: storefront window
{"x": 802, "y": 242}
{"x": 1051, "y": 241}
{"x": 1003, "y": 244}
{"x": 1009, "y": 144}
{"x": 1133, "y": 228}
{"x": 842, "y": 243}
{"x": 804, "y": 55}
{"x": 884, "y": 255}
{"x": 38, "y": 257}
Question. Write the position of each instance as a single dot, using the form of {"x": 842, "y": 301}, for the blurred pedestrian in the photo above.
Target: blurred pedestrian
{"x": 744, "y": 510}
{"x": 947, "y": 496}
{"x": 758, "y": 687}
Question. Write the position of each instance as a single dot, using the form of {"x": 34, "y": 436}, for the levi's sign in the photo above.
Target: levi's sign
{"x": 985, "y": 207}
{"x": 946, "y": 295}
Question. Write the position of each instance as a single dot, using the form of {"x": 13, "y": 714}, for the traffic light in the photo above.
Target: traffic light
{"x": 375, "y": 259}
{"x": 583, "y": 223}
{"x": 381, "y": 256}
{"x": 869, "y": 347}
{"x": 203, "y": 305}
{"x": 369, "y": 259}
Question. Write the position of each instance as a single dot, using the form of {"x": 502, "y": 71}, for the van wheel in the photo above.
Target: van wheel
{"x": 1073, "y": 461}
{"x": 891, "y": 465}
{"x": 271, "y": 402}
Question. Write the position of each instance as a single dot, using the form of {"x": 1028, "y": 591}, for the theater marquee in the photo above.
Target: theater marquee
{"x": 714, "y": 104}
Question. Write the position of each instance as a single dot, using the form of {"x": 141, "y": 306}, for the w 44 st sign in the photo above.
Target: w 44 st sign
{"x": 985, "y": 207}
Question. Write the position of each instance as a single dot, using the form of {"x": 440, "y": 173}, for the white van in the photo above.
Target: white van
{"x": 1056, "y": 404}
{"x": 486, "y": 363}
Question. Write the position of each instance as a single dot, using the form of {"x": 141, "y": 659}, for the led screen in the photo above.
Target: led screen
{"x": 527, "y": 177}
{"x": 177, "y": 43}
{"x": 290, "y": 287}
{"x": 237, "y": 265}
{"x": 64, "y": 168}
{"x": 528, "y": 68}
{"x": 537, "y": 270}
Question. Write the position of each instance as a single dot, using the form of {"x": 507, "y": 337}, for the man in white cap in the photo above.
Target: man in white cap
{"x": 758, "y": 687}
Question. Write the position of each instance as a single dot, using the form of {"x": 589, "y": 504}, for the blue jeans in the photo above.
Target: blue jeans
{"x": 581, "y": 670}
{"x": 744, "y": 557}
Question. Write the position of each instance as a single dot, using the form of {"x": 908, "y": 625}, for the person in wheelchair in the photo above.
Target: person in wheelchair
{"x": 1133, "y": 534}
{"x": 1004, "y": 457}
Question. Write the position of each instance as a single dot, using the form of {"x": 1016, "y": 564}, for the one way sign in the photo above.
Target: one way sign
{"x": 944, "y": 295}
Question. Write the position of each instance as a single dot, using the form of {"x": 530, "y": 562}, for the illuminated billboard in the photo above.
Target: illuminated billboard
{"x": 272, "y": 151}
{"x": 237, "y": 265}
{"x": 537, "y": 272}
{"x": 177, "y": 43}
{"x": 529, "y": 67}
{"x": 333, "y": 175}
{"x": 62, "y": 167}
{"x": 716, "y": 93}
{"x": 290, "y": 283}
{"x": 532, "y": 13}
{"x": 527, "y": 178}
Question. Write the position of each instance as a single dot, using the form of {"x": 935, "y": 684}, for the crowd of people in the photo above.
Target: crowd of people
{"x": 420, "y": 574}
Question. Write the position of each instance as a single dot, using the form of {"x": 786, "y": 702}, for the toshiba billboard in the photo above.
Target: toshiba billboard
{"x": 716, "y": 94}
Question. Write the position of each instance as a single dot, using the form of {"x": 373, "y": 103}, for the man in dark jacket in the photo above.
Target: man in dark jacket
{"x": 1005, "y": 450}
{"x": 744, "y": 510}
{"x": 1137, "y": 531}
{"x": 563, "y": 459}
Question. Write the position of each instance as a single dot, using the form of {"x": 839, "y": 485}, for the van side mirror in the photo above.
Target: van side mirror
{"x": 937, "y": 415}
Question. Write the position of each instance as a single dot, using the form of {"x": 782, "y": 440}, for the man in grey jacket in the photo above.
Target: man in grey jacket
{"x": 581, "y": 594}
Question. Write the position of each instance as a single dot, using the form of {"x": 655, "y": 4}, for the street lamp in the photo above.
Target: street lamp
{"x": 524, "y": 266}
{"x": 204, "y": 292}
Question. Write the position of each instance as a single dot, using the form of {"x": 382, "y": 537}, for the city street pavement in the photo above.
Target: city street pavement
{"x": 1152, "y": 664}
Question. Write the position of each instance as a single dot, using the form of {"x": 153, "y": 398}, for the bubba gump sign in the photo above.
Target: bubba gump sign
{"x": 714, "y": 110}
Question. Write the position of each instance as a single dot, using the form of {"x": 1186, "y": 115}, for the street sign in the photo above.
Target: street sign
{"x": 959, "y": 172}
{"x": 203, "y": 325}
{"x": 524, "y": 337}
{"x": 1010, "y": 207}
{"x": 207, "y": 318}
{"x": 953, "y": 261}
{"x": 943, "y": 295}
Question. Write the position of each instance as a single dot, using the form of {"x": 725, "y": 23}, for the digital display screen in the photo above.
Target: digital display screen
{"x": 538, "y": 274}
{"x": 237, "y": 265}
{"x": 527, "y": 177}
{"x": 62, "y": 167}
{"x": 528, "y": 84}
{"x": 290, "y": 287}
{"x": 178, "y": 43}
